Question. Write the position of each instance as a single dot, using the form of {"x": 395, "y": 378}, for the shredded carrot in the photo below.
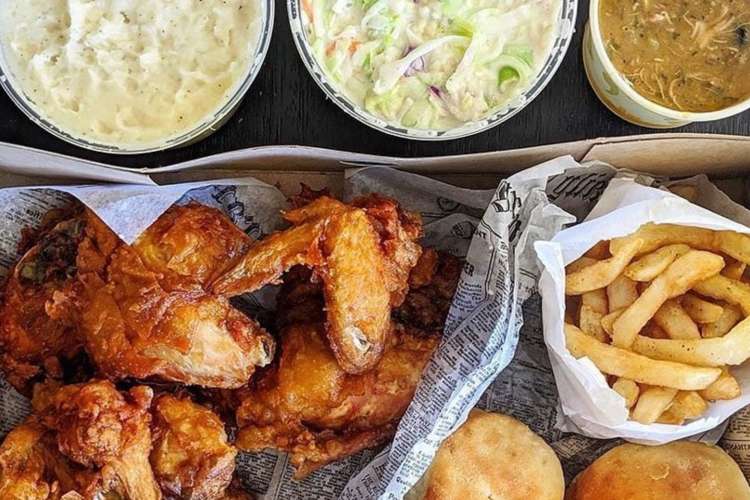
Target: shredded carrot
{"x": 353, "y": 46}
{"x": 330, "y": 47}
{"x": 307, "y": 7}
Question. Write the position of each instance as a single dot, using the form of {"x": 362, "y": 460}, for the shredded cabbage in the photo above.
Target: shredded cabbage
{"x": 432, "y": 64}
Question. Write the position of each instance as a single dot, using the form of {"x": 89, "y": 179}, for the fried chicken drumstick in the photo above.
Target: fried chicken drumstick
{"x": 362, "y": 254}
{"x": 140, "y": 310}
{"x": 307, "y": 405}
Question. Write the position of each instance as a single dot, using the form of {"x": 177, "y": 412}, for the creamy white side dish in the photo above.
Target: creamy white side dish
{"x": 128, "y": 73}
{"x": 431, "y": 64}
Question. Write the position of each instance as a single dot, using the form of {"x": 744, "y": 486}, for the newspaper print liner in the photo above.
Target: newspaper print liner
{"x": 525, "y": 388}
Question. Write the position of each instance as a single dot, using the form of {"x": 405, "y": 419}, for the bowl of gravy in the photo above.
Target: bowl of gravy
{"x": 666, "y": 63}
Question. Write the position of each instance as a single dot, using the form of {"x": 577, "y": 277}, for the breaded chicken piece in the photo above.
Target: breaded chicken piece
{"x": 310, "y": 407}
{"x": 192, "y": 458}
{"x": 361, "y": 253}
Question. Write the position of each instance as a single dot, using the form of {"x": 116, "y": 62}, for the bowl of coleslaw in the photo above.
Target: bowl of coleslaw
{"x": 432, "y": 69}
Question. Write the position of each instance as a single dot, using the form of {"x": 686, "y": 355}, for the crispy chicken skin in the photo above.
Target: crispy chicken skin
{"x": 145, "y": 314}
{"x": 192, "y": 458}
{"x": 139, "y": 311}
{"x": 84, "y": 441}
{"x": 38, "y": 329}
{"x": 367, "y": 246}
{"x": 194, "y": 242}
{"x": 308, "y": 406}
{"x": 22, "y": 465}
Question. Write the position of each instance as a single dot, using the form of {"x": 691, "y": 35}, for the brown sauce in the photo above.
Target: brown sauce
{"x": 688, "y": 55}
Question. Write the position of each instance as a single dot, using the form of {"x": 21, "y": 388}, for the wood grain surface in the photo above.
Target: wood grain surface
{"x": 285, "y": 106}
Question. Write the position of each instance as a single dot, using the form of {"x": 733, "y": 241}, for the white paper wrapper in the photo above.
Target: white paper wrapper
{"x": 589, "y": 405}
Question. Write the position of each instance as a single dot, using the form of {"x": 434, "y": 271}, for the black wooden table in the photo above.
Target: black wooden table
{"x": 285, "y": 106}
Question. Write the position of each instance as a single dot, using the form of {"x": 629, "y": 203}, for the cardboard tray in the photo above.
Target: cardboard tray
{"x": 720, "y": 156}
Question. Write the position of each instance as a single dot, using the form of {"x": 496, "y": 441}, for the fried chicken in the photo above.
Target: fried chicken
{"x": 192, "y": 458}
{"x": 84, "y": 441}
{"x": 432, "y": 284}
{"x": 38, "y": 330}
{"x": 361, "y": 253}
{"x": 139, "y": 310}
{"x": 308, "y": 406}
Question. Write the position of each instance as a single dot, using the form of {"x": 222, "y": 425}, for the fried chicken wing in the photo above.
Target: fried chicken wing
{"x": 192, "y": 458}
{"x": 361, "y": 254}
{"x": 308, "y": 406}
{"x": 38, "y": 329}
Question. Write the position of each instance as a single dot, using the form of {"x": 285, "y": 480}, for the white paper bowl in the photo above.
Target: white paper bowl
{"x": 560, "y": 45}
{"x": 205, "y": 128}
{"x": 615, "y": 92}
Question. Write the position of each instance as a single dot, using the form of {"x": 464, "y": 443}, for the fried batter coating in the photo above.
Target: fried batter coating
{"x": 38, "y": 329}
{"x": 432, "y": 284}
{"x": 308, "y": 406}
{"x": 140, "y": 311}
{"x": 194, "y": 242}
{"x": 84, "y": 441}
{"x": 192, "y": 458}
{"x": 361, "y": 254}
{"x": 22, "y": 466}
{"x": 147, "y": 314}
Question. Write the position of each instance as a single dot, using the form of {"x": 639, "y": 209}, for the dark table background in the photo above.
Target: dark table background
{"x": 285, "y": 106}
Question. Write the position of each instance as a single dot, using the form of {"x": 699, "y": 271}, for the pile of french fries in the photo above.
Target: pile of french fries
{"x": 663, "y": 314}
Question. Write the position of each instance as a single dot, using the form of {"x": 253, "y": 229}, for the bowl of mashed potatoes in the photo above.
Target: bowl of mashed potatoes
{"x": 131, "y": 77}
{"x": 432, "y": 69}
{"x": 666, "y": 63}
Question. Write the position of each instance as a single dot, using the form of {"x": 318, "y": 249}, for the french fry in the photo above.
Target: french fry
{"x": 677, "y": 324}
{"x": 652, "y": 265}
{"x": 621, "y": 293}
{"x": 600, "y": 251}
{"x": 722, "y": 288}
{"x": 612, "y": 360}
{"x": 731, "y": 349}
{"x": 654, "y": 331}
{"x": 701, "y": 311}
{"x": 590, "y": 322}
{"x": 580, "y": 263}
{"x": 725, "y": 387}
{"x": 686, "y": 405}
{"x": 681, "y": 275}
{"x": 670, "y": 417}
{"x": 730, "y": 316}
{"x": 734, "y": 269}
{"x": 596, "y": 300}
{"x": 609, "y": 320}
{"x": 652, "y": 403}
{"x": 602, "y": 273}
{"x": 735, "y": 245}
{"x": 628, "y": 389}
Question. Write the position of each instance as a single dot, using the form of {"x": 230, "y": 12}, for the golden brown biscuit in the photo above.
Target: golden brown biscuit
{"x": 492, "y": 456}
{"x": 682, "y": 470}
